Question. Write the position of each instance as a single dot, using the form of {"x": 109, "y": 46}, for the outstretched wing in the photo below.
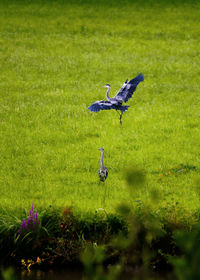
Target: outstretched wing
{"x": 106, "y": 105}
{"x": 119, "y": 95}
{"x": 128, "y": 88}
{"x": 101, "y": 105}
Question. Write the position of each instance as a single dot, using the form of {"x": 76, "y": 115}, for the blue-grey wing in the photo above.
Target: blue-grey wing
{"x": 128, "y": 88}
{"x": 120, "y": 94}
{"x": 106, "y": 172}
{"x": 101, "y": 105}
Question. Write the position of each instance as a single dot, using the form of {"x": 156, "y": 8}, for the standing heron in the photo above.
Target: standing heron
{"x": 103, "y": 171}
{"x": 124, "y": 94}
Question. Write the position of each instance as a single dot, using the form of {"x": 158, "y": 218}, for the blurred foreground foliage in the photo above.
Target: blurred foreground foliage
{"x": 130, "y": 244}
{"x": 150, "y": 249}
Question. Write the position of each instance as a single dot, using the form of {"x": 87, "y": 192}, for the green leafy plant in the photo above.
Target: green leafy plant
{"x": 186, "y": 266}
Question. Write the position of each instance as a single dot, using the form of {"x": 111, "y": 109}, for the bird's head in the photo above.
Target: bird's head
{"x": 107, "y": 86}
{"x": 101, "y": 149}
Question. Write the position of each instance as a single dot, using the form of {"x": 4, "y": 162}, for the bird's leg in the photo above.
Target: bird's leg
{"x": 120, "y": 116}
{"x": 120, "y": 119}
{"x": 104, "y": 197}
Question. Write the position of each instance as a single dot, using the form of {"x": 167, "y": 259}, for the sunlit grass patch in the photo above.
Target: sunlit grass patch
{"x": 54, "y": 59}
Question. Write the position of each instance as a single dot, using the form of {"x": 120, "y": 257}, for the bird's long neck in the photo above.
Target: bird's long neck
{"x": 108, "y": 90}
{"x": 101, "y": 161}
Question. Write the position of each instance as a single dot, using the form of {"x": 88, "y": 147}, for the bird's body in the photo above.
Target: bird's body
{"x": 123, "y": 95}
{"x": 103, "y": 171}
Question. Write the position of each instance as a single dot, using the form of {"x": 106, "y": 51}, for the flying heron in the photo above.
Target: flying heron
{"x": 124, "y": 94}
{"x": 103, "y": 171}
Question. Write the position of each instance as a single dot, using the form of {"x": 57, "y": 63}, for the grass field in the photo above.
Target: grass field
{"x": 55, "y": 56}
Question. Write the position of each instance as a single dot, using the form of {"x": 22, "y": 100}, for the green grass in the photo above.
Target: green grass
{"x": 55, "y": 56}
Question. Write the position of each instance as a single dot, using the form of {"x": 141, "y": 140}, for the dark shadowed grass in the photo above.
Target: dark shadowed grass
{"x": 54, "y": 58}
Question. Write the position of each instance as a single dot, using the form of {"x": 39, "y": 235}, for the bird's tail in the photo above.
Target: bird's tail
{"x": 123, "y": 108}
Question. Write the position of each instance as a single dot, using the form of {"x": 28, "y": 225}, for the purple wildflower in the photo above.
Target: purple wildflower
{"x": 31, "y": 223}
